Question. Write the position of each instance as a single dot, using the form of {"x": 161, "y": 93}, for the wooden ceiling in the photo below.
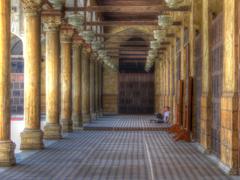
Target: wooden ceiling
{"x": 130, "y": 16}
{"x": 132, "y": 52}
{"x": 132, "y": 58}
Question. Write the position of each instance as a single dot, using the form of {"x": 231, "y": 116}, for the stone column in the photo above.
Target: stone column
{"x": 206, "y": 87}
{"x": 157, "y": 85}
{"x": 164, "y": 80}
{"x": 85, "y": 85}
{"x": 31, "y": 137}
{"x": 92, "y": 86}
{"x": 66, "y": 79}
{"x": 175, "y": 81}
{"x": 100, "y": 90}
{"x": 230, "y": 94}
{"x": 160, "y": 85}
{"x": 76, "y": 83}
{"x": 52, "y": 129}
{"x": 171, "y": 73}
{"x": 7, "y": 147}
{"x": 167, "y": 76}
{"x": 96, "y": 89}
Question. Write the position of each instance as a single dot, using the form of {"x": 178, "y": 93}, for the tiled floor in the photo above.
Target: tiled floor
{"x": 126, "y": 122}
{"x": 123, "y": 155}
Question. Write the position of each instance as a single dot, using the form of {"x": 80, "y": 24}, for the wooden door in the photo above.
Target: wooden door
{"x": 178, "y": 54}
{"x": 179, "y": 110}
{"x": 217, "y": 64}
{"x": 198, "y": 87}
{"x": 188, "y": 105}
{"x": 136, "y": 93}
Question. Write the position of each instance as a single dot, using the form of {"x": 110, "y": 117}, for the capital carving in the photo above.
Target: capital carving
{"x": 66, "y": 35}
{"x": 88, "y": 48}
{"x": 51, "y": 23}
{"x": 77, "y": 40}
{"x": 31, "y": 6}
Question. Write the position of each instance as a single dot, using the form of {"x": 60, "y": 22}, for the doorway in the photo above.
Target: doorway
{"x": 136, "y": 87}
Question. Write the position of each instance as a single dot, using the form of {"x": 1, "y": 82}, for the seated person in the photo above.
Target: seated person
{"x": 166, "y": 114}
{"x": 164, "y": 117}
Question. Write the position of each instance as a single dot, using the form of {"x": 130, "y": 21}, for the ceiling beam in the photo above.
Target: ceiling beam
{"x": 128, "y": 23}
{"x": 150, "y": 36}
{"x": 106, "y": 35}
{"x": 156, "y": 9}
{"x": 129, "y": 43}
{"x": 129, "y": 49}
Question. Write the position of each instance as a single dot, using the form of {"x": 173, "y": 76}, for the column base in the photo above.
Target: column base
{"x": 52, "y": 131}
{"x": 77, "y": 122}
{"x": 31, "y": 139}
{"x": 7, "y": 157}
{"x": 86, "y": 118}
{"x": 66, "y": 126}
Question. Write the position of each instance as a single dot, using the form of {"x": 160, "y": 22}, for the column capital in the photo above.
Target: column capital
{"x": 31, "y": 6}
{"x": 77, "y": 40}
{"x": 88, "y": 48}
{"x": 93, "y": 57}
{"x": 66, "y": 34}
{"x": 51, "y": 23}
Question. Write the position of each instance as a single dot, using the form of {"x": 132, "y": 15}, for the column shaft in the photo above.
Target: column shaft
{"x": 7, "y": 147}
{"x": 92, "y": 91}
{"x": 66, "y": 82}
{"x": 100, "y": 89}
{"x": 230, "y": 96}
{"x": 76, "y": 86}
{"x": 31, "y": 137}
{"x": 206, "y": 87}
{"x": 52, "y": 129}
{"x": 85, "y": 86}
{"x": 96, "y": 88}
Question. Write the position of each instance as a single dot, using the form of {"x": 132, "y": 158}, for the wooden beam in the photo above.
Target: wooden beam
{"x": 128, "y": 23}
{"x": 157, "y": 9}
{"x": 128, "y": 43}
{"x": 107, "y": 35}
{"x": 129, "y": 49}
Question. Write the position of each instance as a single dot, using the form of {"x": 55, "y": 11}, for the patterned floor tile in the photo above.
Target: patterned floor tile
{"x": 116, "y": 155}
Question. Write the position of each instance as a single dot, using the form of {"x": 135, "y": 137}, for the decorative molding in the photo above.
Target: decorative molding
{"x": 66, "y": 34}
{"x": 51, "y": 23}
{"x": 77, "y": 40}
{"x": 31, "y": 6}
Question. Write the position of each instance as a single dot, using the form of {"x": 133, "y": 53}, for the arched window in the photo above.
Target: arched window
{"x": 17, "y": 80}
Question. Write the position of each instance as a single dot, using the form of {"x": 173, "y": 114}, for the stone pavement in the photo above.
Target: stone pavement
{"x": 123, "y": 155}
{"x": 126, "y": 123}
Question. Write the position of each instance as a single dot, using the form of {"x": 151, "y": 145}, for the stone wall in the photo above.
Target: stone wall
{"x": 110, "y": 91}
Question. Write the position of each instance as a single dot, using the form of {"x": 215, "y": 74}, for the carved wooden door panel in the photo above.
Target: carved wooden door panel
{"x": 217, "y": 64}
{"x": 198, "y": 87}
{"x": 136, "y": 93}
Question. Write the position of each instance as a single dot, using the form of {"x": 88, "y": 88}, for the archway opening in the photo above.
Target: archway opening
{"x": 17, "y": 75}
{"x": 136, "y": 86}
